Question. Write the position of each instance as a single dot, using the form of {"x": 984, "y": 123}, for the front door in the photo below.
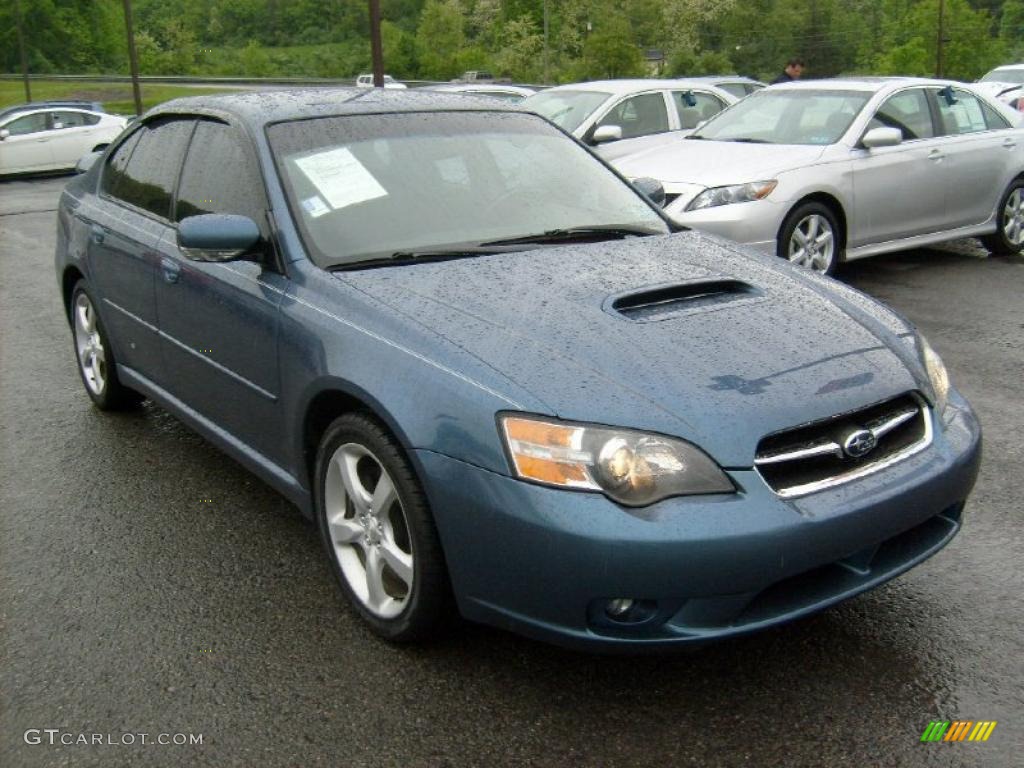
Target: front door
{"x": 219, "y": 321}
{"x": 27, "y": 146}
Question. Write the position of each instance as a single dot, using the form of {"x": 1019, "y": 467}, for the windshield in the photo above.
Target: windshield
{"x": 566, "y": 109}
{"x": 1004, "y": 76}
{"x": 368, "y": 187}
{"x": 787, "y": 117}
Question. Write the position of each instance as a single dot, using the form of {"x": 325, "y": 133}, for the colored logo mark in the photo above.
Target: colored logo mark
{"x": 958, "y": 730}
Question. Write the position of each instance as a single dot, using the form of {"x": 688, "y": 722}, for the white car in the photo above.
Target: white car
{"x": 507, "y": 93}
{"x": 366, "y": 81}
{"x": 617, "y": 116}
{"x": 53, "y": 139}
{"x": 1004, "y": 83}
{"x": 821, "y": 171}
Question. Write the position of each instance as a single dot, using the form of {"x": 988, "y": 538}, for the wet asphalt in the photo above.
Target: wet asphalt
{"x": 148, "y": 584}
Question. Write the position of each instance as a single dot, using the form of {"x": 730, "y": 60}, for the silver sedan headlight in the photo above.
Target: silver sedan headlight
{"x": 633, "y": 468}
{"x": 736, "y": 193}
{"x": 937, "y": 374}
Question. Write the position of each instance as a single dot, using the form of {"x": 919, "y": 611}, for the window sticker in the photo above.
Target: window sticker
{"x": 315, "y": 206}
{"x": 340, "y": 178}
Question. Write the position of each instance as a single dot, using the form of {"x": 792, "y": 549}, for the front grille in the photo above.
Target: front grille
{"x": 827, "y": 453}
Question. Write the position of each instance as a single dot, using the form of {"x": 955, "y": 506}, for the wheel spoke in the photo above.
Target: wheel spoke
{"x": 800, "y": 237}
{"x": 812, "y": 227}
{"x": 345, "y": 530}
{"x": 376, "y": 596}
{"x": 398, "y": 561}
{"x": 383, "y": 495}
{"x": 354, "y": 490}
{"x": 824, "y": 239}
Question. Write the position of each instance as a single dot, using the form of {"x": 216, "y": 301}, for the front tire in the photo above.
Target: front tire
{"x": 376, "y": 526}
{"x": 96, "y": 364}
{"x": 1008, "y": 238}
{"x": 810, "y": 238}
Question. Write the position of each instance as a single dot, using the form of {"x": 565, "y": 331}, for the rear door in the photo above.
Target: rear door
{"x": 899, "y": 191}
{"x": 127, "y": 220}
{"x": 978, "y": 147}
{"x": 27, "y": 147}
{"x": 694, "y": 107}
{"x": 219, "y": 321}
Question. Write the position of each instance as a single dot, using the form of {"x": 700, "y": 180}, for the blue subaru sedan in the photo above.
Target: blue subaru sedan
{"x": 500, "y": 381}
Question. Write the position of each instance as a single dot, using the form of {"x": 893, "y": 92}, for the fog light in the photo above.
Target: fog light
{"x": 619, "y": 607}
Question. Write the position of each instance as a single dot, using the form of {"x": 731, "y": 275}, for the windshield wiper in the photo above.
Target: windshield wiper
{"x": 606, "y": 232}
{"x": 406, "y": 257}
{"x": 696, "y": 136}
{"x": 748, "y": 140}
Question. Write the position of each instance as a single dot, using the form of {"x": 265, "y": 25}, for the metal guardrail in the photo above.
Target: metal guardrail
{"x": 203, "y": 80}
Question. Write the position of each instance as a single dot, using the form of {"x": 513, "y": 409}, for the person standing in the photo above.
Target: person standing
{"x": 794, "y": 69}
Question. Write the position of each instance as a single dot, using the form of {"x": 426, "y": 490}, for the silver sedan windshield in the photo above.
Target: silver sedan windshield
{"x": 797, "y": 116}
{"x": 365, "y": 187}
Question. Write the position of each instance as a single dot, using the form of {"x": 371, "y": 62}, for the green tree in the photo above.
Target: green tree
{"x": 610, "y": 51}
{"x": 439, "y": 38}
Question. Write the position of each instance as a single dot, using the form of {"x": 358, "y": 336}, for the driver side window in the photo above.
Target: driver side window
{"x": 27, "y": 124}
{"x": 908, "y": 111}
{"x": 639, "y": 115}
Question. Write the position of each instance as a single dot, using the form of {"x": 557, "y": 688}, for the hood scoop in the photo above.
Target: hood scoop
{"x": 665, "y": 302}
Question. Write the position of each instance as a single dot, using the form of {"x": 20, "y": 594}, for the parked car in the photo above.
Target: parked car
{"x": 494, "y": 374}
{"x": 509, "y": 93}
{"x": 92, "y": 106}
{"x": 53, "y": 139}
{"x": 1004, "y": 83}
{"x": 613, "y": 115}
{"x": 366, "y": 81}
{"x": 475, "y": 76}
{"x": 737, "y": 85}
{"x": 826, "y": 171}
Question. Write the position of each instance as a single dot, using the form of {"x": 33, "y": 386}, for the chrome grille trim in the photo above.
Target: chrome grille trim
{"x": 826, "y": 447}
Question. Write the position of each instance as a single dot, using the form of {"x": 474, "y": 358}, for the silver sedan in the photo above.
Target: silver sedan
{"x": 826, "y": 171}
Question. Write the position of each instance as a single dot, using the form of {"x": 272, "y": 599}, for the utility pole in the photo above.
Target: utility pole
{"x": 376, "y": 47}
{"x": 547, "y": 74}
{"x": 133, "y": 58}
{"x": 21, "y": 45}
{"x": 940, "y": 40}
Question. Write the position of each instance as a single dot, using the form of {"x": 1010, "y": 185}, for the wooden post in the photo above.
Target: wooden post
{"x": 133, "y": 59}
{"x": 21, "y": 44}
{"x": 376, "y": 47}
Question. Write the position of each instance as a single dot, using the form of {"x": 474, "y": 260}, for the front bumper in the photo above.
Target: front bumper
{"x": 755, "y": 224}
{"x": 544, "y": 562}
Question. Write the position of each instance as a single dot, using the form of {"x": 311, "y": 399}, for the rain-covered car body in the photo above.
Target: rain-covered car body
{"x": 641, "y": 110}
{"x": 944, "y": 180}
{"x": 673, "y": 334}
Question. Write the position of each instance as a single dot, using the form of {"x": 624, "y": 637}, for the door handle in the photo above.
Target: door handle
{"x": 98, "y": 234}
{"x": 935, "y": 155}
{"x": 1009, "y": 143}
{"x": 170, "y": 269}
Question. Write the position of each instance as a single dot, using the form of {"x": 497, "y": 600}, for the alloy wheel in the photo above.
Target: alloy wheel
{"x": 92, "y": 357}
{"x": 1013, "y": 218}
{"x": 368, "y": 530}
{"x": 813, "y": 243}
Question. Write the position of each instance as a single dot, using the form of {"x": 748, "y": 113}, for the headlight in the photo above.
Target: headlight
{"x": 633, "y": 468}
{"x": 937, "y": 374}
{"x": 737, "y": 193}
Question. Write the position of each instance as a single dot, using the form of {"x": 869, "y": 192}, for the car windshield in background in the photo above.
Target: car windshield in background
{"x": 1004, "y": 76}
{"x": 368, "y": 187}
{"x": 787, "y": 117}
{"x": 566, "y": 109}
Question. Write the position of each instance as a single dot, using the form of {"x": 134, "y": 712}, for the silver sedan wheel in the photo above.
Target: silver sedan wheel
{"x": 368, "y": 529}
{"x": 813, "y": 243}
{"x": 92, "y": 357}
{"x": 1013, "y": 218}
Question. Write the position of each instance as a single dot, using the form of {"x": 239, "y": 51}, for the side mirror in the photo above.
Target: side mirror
{"x": 882, "y": 137}
{"x": 217, "y": 236}
{"x": 651, "y": 189}
{"x": 606, "y": 133}
{"x": 87, "y": 161}
{"x": 4, "y": 133}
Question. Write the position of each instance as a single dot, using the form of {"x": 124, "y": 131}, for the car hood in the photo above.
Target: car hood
{"x": 780, "y": 348}
{"x": 715, "y": 163}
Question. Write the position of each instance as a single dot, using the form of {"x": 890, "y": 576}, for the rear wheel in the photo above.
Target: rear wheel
{"x": 1008, "y": 238}
{"x": 810, "y": 238}
{"x": 96, "y": 363}
{"x": 378, "y": 531}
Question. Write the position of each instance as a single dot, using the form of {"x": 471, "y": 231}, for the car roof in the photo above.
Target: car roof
{"x": 1008, "y": 66}
{"x": 715, "y": 79}
{"x": 73, "y": 104}
{"x": 872, "y": 84}
{"x": 259, "y": 108}
{"x": 621, "y": 87}
{"x": 466, "y": 87}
